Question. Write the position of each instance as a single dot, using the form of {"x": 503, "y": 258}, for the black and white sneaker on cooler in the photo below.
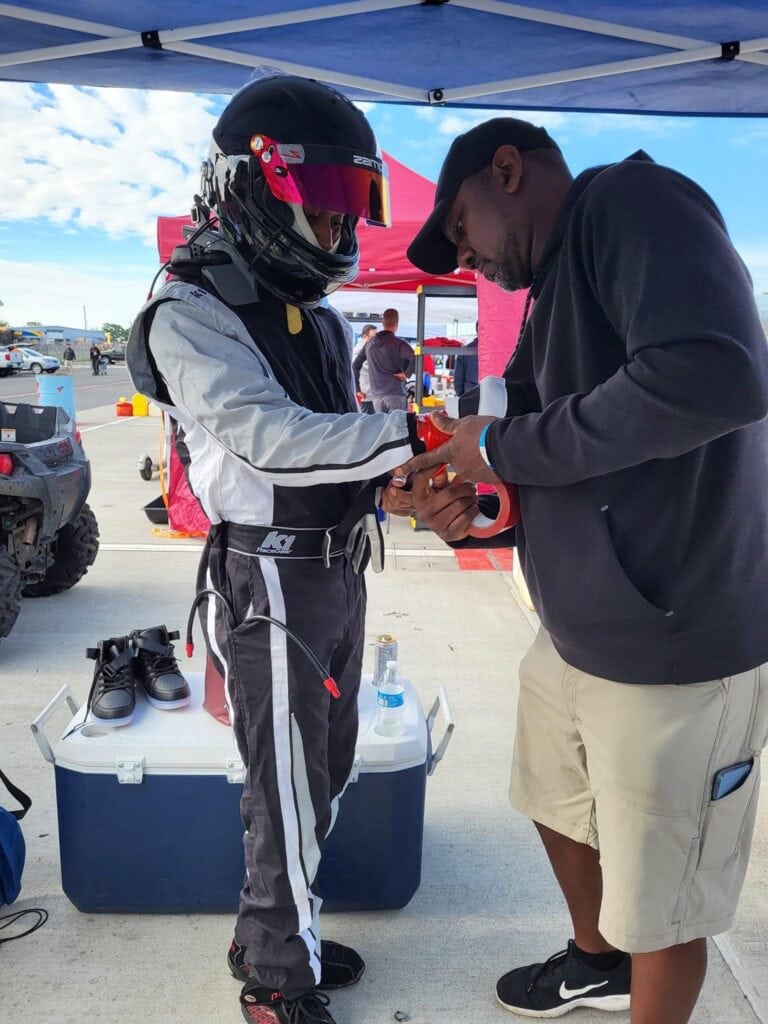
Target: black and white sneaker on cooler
{"x": 340, "y": 966}
{"x": 157, "y": 669}
{"x": 112, "y": 699}
{"x": 562, "y": 984}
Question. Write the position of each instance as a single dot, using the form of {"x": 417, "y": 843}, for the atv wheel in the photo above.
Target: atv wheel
{"x": 10, "y": 592}
{"x": 145, "y": 470}
{"x": 75, "y": 550}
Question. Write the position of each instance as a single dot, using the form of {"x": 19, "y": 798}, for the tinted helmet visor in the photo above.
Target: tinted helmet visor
{"x": 326, "y": 178}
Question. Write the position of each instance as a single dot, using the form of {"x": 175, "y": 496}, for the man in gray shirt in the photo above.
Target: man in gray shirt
{"x": 390, "y": 361}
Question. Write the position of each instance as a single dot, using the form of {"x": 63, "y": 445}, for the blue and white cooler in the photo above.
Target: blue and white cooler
{"x": 149, "y": 818}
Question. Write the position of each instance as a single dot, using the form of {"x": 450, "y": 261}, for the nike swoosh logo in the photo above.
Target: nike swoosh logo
{"x": 571, "y": 993}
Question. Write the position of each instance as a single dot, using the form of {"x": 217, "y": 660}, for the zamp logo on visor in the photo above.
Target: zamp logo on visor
{"x": 368, "y": 161}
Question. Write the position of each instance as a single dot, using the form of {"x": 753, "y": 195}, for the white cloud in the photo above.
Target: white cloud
{"x": 55, "y": 293}
{"x": 425, "y": 113}
{"x": 555, "y": 121}
{"x": 596, "y": 124}
{"x": 456, "y": 123}
{"x": 751, "y": 136}
{"x": 109, "y": 159}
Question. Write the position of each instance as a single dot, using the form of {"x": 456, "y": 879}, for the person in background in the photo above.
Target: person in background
{"x": 363, "y": 382}
{"x": 68, "y": 357}
{"x": 95, "y": 357}
{"x": 635, "y": 429}
{"x": 465, "y": 376}
{"x": 390, "y": 361}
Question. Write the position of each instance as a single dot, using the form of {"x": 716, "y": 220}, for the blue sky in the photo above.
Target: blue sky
{"x": 88, "y": 170}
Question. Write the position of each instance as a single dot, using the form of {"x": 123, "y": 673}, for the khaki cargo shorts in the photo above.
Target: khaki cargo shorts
{"x": 628, "y": 769}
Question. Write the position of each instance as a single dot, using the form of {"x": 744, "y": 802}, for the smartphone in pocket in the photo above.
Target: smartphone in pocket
{"x": 728, "y": 780}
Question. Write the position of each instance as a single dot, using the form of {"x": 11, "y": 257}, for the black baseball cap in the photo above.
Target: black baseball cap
{"x": 469, "y": 153}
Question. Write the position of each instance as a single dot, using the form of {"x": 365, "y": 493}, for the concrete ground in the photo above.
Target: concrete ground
{"x": 487, "y": 901}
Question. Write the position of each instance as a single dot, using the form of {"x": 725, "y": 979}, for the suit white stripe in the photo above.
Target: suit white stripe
{"x": 214, "y": 642}
{"x": 310, "y": 851}
{"x": 281, "y": 729}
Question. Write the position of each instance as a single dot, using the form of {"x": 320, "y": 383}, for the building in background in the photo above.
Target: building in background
{"x": 50, "y": 339}
{"x": 73, "y": 334}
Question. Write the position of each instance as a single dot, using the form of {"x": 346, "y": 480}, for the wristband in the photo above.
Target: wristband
{"x": 483, "y": 449}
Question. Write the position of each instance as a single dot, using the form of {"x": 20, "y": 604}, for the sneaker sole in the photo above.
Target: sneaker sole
{"x": 610, "y": 1003}
{"x": 111, "y": 723}
{"x": 168, "y": 705}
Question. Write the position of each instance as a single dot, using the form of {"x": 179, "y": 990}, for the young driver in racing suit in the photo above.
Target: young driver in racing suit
{"x": 256, "y": 372}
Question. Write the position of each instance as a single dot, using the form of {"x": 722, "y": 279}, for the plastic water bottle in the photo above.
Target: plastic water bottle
{"x": 391, "y": 701}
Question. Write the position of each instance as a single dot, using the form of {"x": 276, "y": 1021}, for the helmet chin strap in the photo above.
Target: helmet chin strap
{"x": 301, "y": 224}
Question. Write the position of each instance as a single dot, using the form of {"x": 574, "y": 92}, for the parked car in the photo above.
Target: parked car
{"x": 37, "y": 362}
{"x": 114, "y": 355}
{"x": 10, "y": 361}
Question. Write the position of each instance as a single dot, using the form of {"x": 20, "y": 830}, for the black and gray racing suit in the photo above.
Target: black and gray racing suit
{"x": 263, "y": 399}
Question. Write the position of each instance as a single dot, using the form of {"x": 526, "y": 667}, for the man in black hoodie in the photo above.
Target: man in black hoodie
{"x": 635, "y": 431}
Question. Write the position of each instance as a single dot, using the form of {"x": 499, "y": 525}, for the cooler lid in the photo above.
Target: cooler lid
{"x": 187, "y": 741}
{"x": 190, "y": 741}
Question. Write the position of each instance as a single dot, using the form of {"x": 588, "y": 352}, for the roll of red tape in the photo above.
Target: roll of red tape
{"x": 509, "y": 512}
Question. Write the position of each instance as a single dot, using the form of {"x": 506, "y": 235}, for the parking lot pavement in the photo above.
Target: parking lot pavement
{"x": 487, "y": 900}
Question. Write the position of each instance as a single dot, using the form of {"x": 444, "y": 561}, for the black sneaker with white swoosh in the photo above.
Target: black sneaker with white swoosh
{"x": 562, "y": 984}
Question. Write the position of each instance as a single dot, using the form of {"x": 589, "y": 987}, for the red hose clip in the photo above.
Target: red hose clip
{"x": 330, "y": 684}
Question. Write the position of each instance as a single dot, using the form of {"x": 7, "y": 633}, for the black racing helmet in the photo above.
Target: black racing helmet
{"x": 283, "y": 143}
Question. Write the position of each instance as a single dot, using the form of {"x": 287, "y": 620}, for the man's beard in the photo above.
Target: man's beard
{"x": 511, "y": 273}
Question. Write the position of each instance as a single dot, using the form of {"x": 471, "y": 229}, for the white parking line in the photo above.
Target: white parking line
{"x": 400, "y": 552}
{"x": 742, "y": 976}
{"x": 111, "y": 423}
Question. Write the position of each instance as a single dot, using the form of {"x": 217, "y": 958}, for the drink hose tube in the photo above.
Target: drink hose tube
{"x": 189, "y": 647}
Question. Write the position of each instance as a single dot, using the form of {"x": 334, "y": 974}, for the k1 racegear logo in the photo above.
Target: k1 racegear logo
{"x": 277, "y": 543}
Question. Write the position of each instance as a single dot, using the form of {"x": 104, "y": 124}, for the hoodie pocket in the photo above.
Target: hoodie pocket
{"x": 624, "y": 590}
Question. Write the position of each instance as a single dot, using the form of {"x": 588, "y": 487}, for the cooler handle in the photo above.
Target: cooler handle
{"x": 441, "y": 702}
{"x": 38, "y": 726}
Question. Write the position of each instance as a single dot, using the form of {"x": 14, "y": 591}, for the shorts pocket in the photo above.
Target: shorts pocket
{"x": 758, "y": 732}
{"x": 724, "y": 823}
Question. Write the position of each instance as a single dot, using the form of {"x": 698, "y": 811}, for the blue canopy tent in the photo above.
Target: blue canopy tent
{"x": 607, "y": 55}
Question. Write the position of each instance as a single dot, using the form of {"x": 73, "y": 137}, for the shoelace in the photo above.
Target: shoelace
{"x": 111, "y": 673}
{"x": 164, "y": 660}
{"x": 546, "y": 967}
{"x": 309, "y": 1009}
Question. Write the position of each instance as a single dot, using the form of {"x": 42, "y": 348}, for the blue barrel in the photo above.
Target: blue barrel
{"x": 56, "y": 389}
